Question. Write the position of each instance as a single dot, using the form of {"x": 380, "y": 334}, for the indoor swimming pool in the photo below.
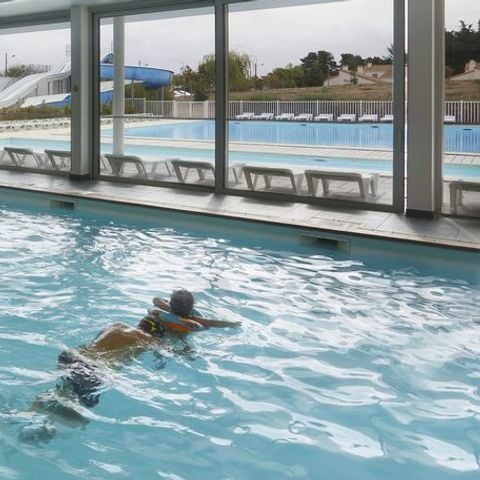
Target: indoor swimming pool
{"x": 356, "y": 359}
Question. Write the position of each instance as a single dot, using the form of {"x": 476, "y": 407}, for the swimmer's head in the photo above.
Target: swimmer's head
{"x": 181, "y": 303}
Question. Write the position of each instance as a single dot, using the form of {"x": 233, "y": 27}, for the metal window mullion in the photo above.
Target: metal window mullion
{"x": 221, "y": 131}
{"x": 96, "y": 107}
{"x": 399, "y": 19}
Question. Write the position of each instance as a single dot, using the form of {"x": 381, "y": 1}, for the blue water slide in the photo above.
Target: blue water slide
{"x": 151, "y": 77}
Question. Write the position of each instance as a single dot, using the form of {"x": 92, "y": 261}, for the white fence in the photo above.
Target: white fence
{"x": 465, "y": 112}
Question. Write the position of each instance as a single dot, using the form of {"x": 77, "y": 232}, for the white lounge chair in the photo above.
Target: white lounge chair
{"x": 324, "y": 117}
{"x": 449, "y": 119}
{"x": 347, "y": 117}
{"x": 253, "y": 173}
{"x": 182, "y": 169}
{"x": 263, "y": 116}
{"x": 364, "y": 181}
{"x": 119, "y": 162}
{"x": 303, "y": 117}
{"x": 369, "y": 117}
{"x": 285, "y": 116}
{"x": 25, "y": 157}
{"x": 60, "y": 159}
{"x": 387, "y": 118}
{"x": 245, "y": 116}
{"x": 457, "y": 187}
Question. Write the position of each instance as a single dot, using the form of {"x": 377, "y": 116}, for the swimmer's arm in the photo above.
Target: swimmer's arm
{"x": 163, "y": 304}
{"x": 205, "y": 322}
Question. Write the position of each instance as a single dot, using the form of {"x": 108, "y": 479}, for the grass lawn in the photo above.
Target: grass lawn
{"x": 468, "y": 90}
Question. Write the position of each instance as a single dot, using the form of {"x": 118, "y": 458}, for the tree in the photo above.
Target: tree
{"x": 18, "y": 71}
{"x": 461, "y": 46}
{"x": 289, "y": 77}
{"x": 351, "y": 61}
{"x": 379, "y": 60}
{"x": 318, "y": 67}
{"x": 201, "y": 83}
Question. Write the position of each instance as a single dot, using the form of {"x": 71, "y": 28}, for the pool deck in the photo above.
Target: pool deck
{"x": 445, "y": 231}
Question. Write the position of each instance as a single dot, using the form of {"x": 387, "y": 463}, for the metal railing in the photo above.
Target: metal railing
{"x": 464, "y": 111}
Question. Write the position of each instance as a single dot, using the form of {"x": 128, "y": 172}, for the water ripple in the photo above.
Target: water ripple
{"x": 342, "y": 366}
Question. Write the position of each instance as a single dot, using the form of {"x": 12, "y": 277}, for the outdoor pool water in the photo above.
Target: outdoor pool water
{"x": 361, "y": 365}
{"x": 458, "y": 138}
{"x": 149, "y": 152}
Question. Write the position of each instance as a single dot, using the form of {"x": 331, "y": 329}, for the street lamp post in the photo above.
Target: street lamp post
{"x": 6, "y": 62}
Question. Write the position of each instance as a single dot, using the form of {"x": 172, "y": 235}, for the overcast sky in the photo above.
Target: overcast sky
{"x": 274, "y": 37}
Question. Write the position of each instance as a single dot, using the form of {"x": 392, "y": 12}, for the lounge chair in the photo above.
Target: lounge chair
{"x": 167, "y": 166}
{"x": 364, "y": 181}
{"x": 60, "y": 159}
{"x": 21, "y": 157}
{"x": 119, "y": 162}
{"x": 457, "y": 187}
{"x": 263, "y": 116}
{"x": 324, "y": 117}
{"x": 387, "y": 118}
{"x": 303, "y": 117}
{"x": 449, "y": 119}
{"x": 245, "y": 116}
{"x": 253, "y": 173}
{"x": 285, "y": 116}
{"x": 369, "y": 117}
{"x": 182, "y": 169}
{"x": 347, "y": 117}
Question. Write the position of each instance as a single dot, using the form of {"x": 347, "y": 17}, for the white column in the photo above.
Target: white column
{"x": 425, "y": 106}
{"x": 81, "y": 40}
{"x": 118, "y": 85}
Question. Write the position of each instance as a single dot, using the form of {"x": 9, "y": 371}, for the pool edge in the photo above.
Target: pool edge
{"x": 395, "y": 237}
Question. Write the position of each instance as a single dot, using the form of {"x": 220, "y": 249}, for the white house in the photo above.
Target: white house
{"x": 365, "y": 75}
{"x": 472, "y": 72}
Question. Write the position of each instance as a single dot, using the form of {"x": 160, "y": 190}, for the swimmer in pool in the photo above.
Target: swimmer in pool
{"x": 179, "y": 315}
{"x": 83, "y": 368}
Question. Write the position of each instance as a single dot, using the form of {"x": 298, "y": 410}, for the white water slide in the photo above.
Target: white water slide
{"x": 28, "y": 86}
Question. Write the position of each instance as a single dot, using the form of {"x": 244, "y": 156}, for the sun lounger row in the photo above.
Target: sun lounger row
{"x": 27, "y": 158}
{"x": 367, "y": 182}
{"x": 205, "y": 173}
{"x": 181, "y": 170}
{"x": 328, "y": 117}
{"x": 34, "y": 124}
{"x": 309, "y": 117}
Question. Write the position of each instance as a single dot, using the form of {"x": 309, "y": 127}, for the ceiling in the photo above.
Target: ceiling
{"x": 10, "y": 8}
{"x": 13, "y": 8}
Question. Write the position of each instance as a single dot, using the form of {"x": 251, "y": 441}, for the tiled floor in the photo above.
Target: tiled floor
{"x": 447, "y": 231}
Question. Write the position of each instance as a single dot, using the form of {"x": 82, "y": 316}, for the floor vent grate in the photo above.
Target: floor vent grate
{"x": 63, "y": 204}
{"x": 325, "y": 242}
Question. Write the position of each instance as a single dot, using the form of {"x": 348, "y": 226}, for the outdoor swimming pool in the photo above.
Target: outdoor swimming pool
{"x": 458, "y": 138}
{"x": 356, "y": 365}
{"x": 149, "y": 152}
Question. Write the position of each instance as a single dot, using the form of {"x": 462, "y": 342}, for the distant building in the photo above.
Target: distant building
{"x": 472, "y": 72}
{"x": 365, "y": 75}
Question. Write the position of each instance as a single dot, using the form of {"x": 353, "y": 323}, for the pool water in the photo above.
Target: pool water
{"x": 149, "y": 152}
{"x": 458, "y": 138}
{"x": 346, "y": 365}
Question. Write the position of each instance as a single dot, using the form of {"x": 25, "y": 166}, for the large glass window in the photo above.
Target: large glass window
{"x": 461, "y": 167}
{"x": 157, "y": 90}
{"x": 310, "y": 99}
{"x": 35, "y": 100}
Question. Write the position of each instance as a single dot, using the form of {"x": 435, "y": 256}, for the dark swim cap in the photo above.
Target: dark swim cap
{"x": 181, "y": 303}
